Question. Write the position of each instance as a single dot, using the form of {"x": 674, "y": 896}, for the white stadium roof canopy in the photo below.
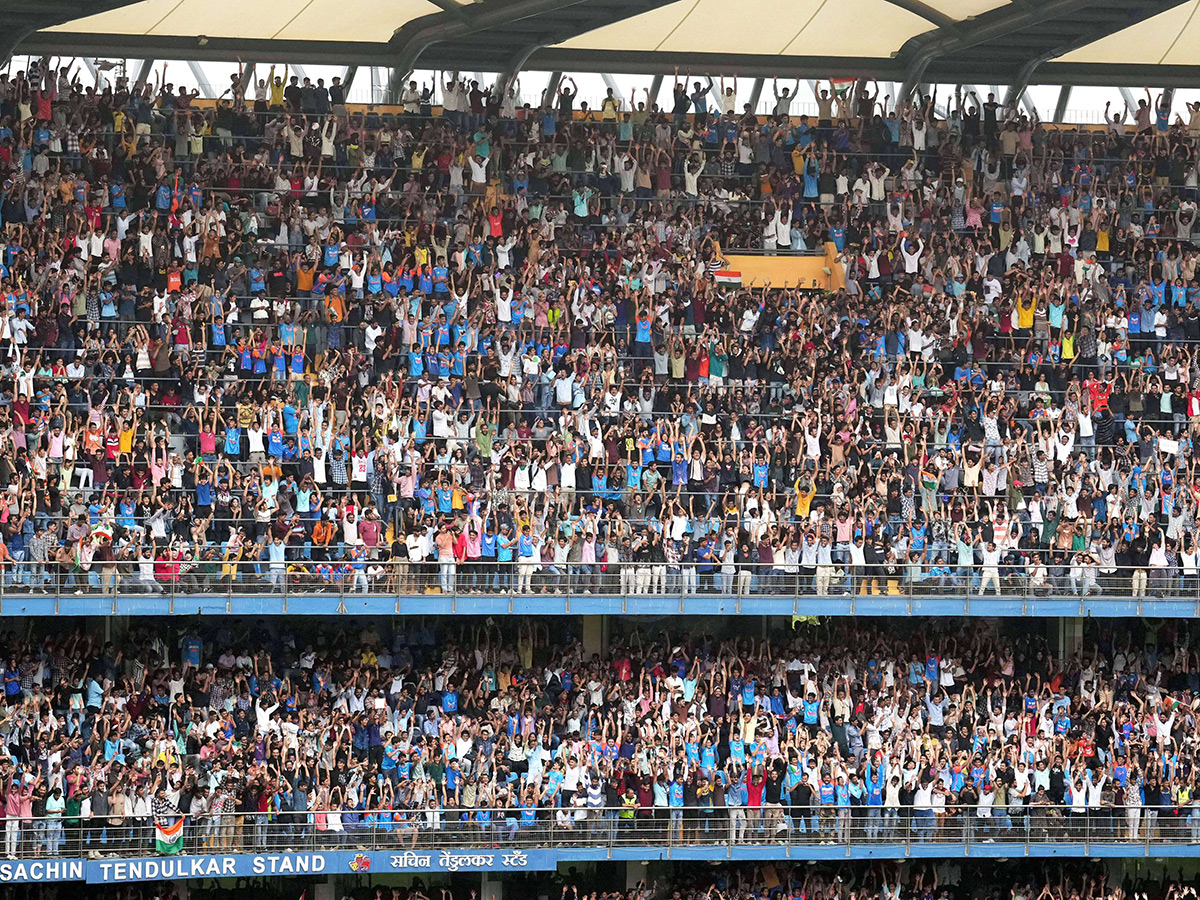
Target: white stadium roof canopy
{"x": 1009, "y": 42}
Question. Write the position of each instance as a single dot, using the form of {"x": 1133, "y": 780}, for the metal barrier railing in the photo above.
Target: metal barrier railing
{"x": 345, "y": 573}
{"x": 430, "y": 830}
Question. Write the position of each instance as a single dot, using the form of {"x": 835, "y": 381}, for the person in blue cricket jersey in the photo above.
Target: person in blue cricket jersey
{"x": 675, "y": 798}
{"x": 827, "y": 795}
{"x": 233, "y": 441}
{"x": 441, "y": 277}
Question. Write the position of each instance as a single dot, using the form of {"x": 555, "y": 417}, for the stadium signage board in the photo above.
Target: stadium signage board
{"x": 27, "y": 871}
{"x": 334, "y": 862}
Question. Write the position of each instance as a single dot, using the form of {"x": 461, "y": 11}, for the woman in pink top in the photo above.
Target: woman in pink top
{"x": 18, "y": 809}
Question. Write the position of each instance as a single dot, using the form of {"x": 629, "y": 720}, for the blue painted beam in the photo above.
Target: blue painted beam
{"x": 373, "y": 604}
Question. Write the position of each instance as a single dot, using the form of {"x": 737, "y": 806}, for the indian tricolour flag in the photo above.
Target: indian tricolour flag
{"x": 168, "y": 833}
{"x": 841, "y": 85}
{"x": 728, "y": 277}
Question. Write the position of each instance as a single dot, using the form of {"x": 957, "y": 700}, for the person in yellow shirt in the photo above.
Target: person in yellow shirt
{"x": 276, "y": 88}
{"x": 1068, "y": 346}
{"x": 1026, "y": 304}
{"x": 245, "y": 415}
{"x": 805, "y": 491}
{"x": 609, "y": 107}
{"x": 417, "y": 160}
{"x": 128, "y": 434}
{"x": 798, "y": 160}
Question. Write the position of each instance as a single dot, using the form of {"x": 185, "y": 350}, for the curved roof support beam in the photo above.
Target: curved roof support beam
{"x": 419, "y": 35}
{"x": 924, "y": 49}
{"x": 19, "y": 21}
{"x": 1018, "y": 21}
{"x": 395, "y": 85}
{"x": 1016, "y": 90}
{"x": 755, "y": 92}
{"x": 13, "y": 35}
{"x": 144, "y": 72}
{"x": 450, "y": 6}
{"x": 1087, "y": 35}
{"x": 1060, "y": 108}
{"x": 247, "y": 77}
{"x": 202, "y": 82}
{"x": 928, "y": 13}
{"x": 514, "y": 66}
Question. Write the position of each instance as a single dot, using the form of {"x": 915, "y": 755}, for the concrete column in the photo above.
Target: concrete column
{"x": 1060, "y": 108}
{"x": 116, "y": 628}
{"x": 144, "y": 71}
{"x": 551, "y": 95}
{"x": 491, "y": 887}
{"x": 201, "y": 77}
{"x": 635, "y": 872}
{"x": 756, "y": 94}
{"x": 1070, "y": 637}
{"x": 595, "y": 635}
{"x": 655, "y": 90}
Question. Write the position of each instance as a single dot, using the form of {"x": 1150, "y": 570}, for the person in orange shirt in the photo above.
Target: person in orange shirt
{"x": 335, "y": 306}
{"x": 323, "y": 533}
{"x": 306, "y": 271}
{"x": 93, "y": 439}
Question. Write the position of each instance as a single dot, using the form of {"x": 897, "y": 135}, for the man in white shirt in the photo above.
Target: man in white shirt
{"x": 991, "y": 568}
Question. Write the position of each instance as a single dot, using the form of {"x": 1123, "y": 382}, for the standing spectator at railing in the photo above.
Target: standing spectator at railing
{"x": 54, "y": 806}
{"x": 18, "y": 811}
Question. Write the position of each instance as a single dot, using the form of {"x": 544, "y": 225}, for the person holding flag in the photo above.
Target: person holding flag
{"x": 168, "y": 822}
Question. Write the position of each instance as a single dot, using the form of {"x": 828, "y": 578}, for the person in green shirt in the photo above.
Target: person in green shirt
{"x": 73, "y": 843}
{"x": 718, "y": 361}
{"x": 484, "y": 436}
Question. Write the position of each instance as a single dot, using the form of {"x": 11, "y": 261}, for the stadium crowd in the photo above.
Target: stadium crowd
{"x": 948, "y": 880}
{"x": 489, "y": 346}
{"x": 274, "y": 736}
{"x": 915, "y": 881}
{"x": 920, "y": 881}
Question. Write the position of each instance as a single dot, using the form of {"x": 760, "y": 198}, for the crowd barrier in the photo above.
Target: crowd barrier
{"x": 326, "y": 582}
{"x": 432, "y": 830}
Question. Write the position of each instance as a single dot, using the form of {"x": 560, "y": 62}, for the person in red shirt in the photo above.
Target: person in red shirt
{"x": 754, "y": 795}
{"x": 1098, "y": 392}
